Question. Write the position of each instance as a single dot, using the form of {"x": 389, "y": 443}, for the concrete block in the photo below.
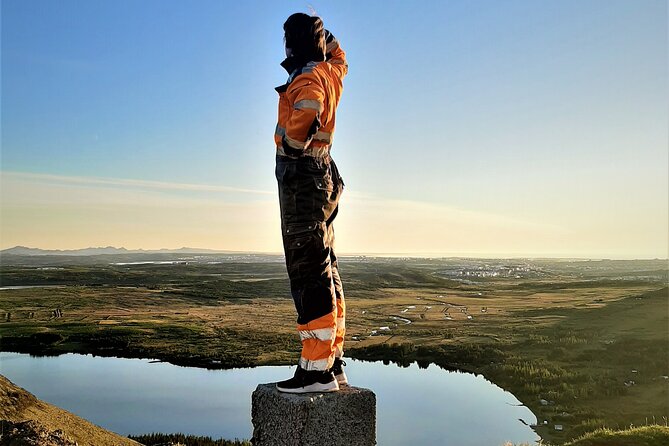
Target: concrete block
{"x": 346, "y": 417}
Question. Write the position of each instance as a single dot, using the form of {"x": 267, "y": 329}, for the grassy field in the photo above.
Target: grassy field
{"x": 584, "y": 344}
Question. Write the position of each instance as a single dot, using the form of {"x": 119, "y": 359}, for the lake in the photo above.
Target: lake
{"x": 137, "y": 396}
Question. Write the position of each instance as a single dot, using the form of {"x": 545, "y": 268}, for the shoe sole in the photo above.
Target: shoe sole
{"x": 342, "y": 380}
{"x": 312, "y": 388}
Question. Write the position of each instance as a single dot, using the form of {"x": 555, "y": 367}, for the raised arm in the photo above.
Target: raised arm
{"x": 335, "y": 54}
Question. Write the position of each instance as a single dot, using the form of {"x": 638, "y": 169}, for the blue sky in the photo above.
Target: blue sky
{"x": 524, "y": 127}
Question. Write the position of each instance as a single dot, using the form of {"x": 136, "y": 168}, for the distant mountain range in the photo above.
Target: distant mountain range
{"x": 25, "y": 251}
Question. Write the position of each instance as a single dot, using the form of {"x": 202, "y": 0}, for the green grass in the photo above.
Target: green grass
{"x": 654, "y": 435}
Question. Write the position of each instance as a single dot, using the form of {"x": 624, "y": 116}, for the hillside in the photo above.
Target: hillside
{"x": 36, "y": 422}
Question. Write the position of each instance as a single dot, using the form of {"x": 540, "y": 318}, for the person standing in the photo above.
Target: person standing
{"x": 309, "y": 190}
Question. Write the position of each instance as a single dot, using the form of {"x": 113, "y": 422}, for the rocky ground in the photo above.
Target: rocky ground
{"x": 32, "y": 433}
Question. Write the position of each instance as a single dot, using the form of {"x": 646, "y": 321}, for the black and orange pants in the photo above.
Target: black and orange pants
{"x": 309, "y": 192}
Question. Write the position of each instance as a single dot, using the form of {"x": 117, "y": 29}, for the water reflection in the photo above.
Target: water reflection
{"x": 136, "y": 396}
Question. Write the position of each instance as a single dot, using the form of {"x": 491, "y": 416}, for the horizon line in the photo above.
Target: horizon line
{"x": 417, "y": 255}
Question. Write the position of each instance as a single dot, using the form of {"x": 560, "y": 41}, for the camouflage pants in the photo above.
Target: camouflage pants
{"x": 309, "y": 192}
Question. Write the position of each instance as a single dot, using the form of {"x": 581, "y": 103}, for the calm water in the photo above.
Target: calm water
{"x": 135, "y": 396}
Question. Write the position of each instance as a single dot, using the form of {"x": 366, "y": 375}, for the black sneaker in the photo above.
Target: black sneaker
{"x": 306, "y": 381}
{"x": 338, "y": 371}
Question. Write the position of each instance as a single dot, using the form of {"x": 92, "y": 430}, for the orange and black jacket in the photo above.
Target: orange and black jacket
{"x": 308, "y": 103}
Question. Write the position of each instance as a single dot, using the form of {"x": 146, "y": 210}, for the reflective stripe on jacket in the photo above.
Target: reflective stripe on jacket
{"x": 308, "y": 103}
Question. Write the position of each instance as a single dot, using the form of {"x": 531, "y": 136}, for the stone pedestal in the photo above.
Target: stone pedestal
{"x": 346, "y": 417}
